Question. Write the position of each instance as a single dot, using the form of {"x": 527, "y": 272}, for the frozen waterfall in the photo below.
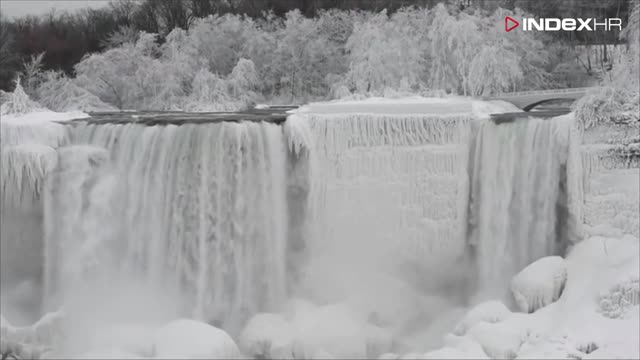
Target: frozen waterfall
{"x": 202, "y": 207}
{"x": 521, "y": 206}
{"x": 387, "y": 202}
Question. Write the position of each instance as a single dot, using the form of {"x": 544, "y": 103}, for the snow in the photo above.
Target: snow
{"x": 380, "y": 105}
{"x": 575, "y": 324}
{"x": 193, "y": 340}
{"x": 373, "y": 169}
{"x": 489, "y": 311}
{"x": 310, "y": 331}
{"x": 44, "y": 116}
{"x": 540, "y": 283}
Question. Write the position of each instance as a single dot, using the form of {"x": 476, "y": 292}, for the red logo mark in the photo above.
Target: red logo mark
{"x": 510, "y": 23}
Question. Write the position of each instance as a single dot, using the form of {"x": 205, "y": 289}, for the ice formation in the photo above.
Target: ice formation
{"x": 203, "y": 208}
{"x": 193, "y": 340}
{"x": 24, "y": 169}
{"x": 150, "y": 224}
{"x": 392, "y": 184}
{"x": 540, "y": 283}
{"x": 490, "y": 312}
{"x": 512, "y": 164}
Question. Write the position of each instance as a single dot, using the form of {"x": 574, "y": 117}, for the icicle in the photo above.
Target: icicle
{"x": 24, "y": 168}
{"x": 18, "y": 131}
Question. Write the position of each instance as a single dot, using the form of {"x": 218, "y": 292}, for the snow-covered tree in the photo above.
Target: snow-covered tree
{"x": 489, "y": 74}
{"x": 60, "y": 93}
{"x": 18, "y": 102}
{"x": 303, "y": 57}
{"x": 388, "y": 52}
{"x": 124, "y": 35}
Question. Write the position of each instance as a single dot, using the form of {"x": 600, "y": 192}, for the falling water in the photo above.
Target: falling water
{"x": 202, "y": 207}
{"x": 519, "y": 201}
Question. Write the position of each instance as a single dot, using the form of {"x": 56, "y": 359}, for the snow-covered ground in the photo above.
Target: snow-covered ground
{"x": 583, "y": 306}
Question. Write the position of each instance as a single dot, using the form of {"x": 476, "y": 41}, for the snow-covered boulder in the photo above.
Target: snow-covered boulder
{"x": 451, "y": 353}
{"x": 492, "y": 311}
{"x": 501, "y": 340}
{"x": 466, "y": 345}
{"x": 265, "y": 333}
{"x": 540, "y": 283}
{"x": 193, "y": 340}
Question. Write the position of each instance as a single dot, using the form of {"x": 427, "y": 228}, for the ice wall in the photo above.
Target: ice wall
{"x": 387, "y": 198}
{"x": 524, "y": 203}
{"x": 204, "y": 207}
{"x": 612, "y": 193}
{"x": 27, "y": 154}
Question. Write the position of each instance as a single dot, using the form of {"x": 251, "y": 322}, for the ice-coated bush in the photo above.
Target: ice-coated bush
{"x": 18, "y": 102}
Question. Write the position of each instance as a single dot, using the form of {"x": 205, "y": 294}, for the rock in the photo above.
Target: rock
{"x": 266, "y": 332}
{"x": 193, "y": 340}
{"x": 539, "y": 284}
{"x": 490, "y": 312}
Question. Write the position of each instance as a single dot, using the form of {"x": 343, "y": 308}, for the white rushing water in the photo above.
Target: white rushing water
{"x": 520, "y": 207}
{"x": 201, "y": 214}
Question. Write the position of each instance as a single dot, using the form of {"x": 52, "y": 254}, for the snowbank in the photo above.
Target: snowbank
{"x": 595, "y": 317}
{"x": 191, "y": 339}
{"x": 319, "y": 332}
{"x": 540, "y": 283}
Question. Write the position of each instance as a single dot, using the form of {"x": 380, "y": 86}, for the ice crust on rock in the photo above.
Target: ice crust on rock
{"x": 193, "y": 340}
{"x": 492, "y": 311}
{"x": 540, "y": 283}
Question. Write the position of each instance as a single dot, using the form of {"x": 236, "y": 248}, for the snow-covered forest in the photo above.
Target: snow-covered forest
{"x": 231, "y": 61}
